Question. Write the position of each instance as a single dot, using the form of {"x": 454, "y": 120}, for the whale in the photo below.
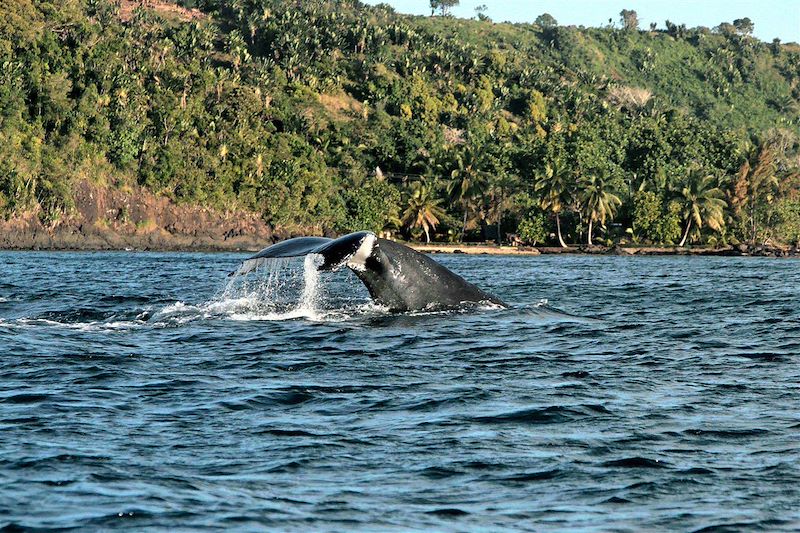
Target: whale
{"x": 396, "y": 276}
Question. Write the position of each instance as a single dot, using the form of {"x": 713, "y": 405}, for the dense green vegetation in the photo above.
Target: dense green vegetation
{"x": 334, "y": 116}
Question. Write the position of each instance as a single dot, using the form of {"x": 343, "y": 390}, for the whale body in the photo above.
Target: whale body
{"x": 396, "y": 276}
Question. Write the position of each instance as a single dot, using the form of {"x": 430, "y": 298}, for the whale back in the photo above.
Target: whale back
{"x": 403, "y": 279}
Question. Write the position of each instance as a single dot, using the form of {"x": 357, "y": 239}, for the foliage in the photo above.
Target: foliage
{"x": 556, "y": 190}
{"x": 373, "y": 206}
{"x": 282, "y": 108}
{"x": 647, "y": 212}
{"x": 629, "y": 19}
{"x": 654, "y": 222}
{"x": 788, "y": 227}
{"x": 443, "y": 6}
{"x": 702, "y": 203}
{"x": 596, "y": 201}
{"x": 533, "y": 229}
{"x": 546, "y": 20}
{"x": 480, "y": 11}
{"x": 763, "y": 178}
{"x": 423, "y": 210}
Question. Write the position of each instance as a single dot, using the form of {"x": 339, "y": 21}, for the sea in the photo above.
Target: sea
{"x": 150, "y": 391}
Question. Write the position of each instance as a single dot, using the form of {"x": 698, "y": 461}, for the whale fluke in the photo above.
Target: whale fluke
{"x": 289, "y": 248}
{"x": 396, "y": 276}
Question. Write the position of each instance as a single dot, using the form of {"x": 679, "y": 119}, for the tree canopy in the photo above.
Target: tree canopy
{"x": 286, "y": 109}
{"x": 443, "y": 6}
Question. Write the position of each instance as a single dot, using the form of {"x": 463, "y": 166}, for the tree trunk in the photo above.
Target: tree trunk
{"x": 591, "y": 220}
{"x": 686, "y": 233}
{"x": 427, "y": 235}
{"x": 464, "y": 224}
{"x": 499, "y": 218}
{"x": 558, "y": 230}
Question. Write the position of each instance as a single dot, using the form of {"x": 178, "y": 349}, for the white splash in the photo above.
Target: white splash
{"x": 93, "y": 326}
{"x": 264, "y": 286}
{"x": 311, "y": 286}
{"x": 275, "y": 290}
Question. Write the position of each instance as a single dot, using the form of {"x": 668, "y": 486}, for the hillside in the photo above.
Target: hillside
{"x": 285, "y": 110}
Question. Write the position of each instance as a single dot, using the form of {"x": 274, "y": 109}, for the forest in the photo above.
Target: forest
{"x": 332, "y": 116}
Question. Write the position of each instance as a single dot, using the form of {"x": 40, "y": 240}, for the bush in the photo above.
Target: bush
{"x": 788, "y": 230}
{"x": 371, "y": 207}
{"x": 654, "y": 222}
{"x": 532, "y": 229}
{"x": 55, "y": 200}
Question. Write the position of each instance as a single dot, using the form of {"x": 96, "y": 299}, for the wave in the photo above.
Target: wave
{"x": 542, "y": 310}
{"x": 546, "y": 415}
{"x": 91, "y": 326}
{"x": 727, "y": 433}
{"x": 636, "y": 462}
{"x": 448, "y": 512}
{"x": 524, "y": 477}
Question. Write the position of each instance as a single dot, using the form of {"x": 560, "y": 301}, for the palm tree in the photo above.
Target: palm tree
{"x": 702, "y": 203}
{"x": 597, "y": 202}
{"x": 756, "y": 180}
{"x": 466, "y": 183}
{"x": 423, "y": 209}
{"x": 556, "y": 192}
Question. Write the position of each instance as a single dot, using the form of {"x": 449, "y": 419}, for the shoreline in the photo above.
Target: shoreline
{"x": 134, "y": 219}
{"x": 162, "y": 241}
{"x": 493, "y": 249}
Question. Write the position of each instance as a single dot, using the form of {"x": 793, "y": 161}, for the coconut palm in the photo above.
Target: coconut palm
{"x": 702, "y": 203}
{"x": 597, "y": 202}
{"x": 466, "y": 183}
{"x": 423, "y": 209}
{"x": 556, "y": 192}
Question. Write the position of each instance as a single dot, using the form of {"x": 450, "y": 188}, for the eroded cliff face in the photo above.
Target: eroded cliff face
{"x": 134, "y": 218}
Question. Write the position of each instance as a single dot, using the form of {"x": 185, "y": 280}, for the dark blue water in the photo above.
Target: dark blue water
{"x": 646, "y": 394}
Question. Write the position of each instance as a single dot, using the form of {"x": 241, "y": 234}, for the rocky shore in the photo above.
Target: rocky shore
{"x": 135, "y": 219}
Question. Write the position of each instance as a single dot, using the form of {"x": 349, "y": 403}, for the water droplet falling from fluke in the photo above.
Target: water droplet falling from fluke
{"x": 311, "y": 288}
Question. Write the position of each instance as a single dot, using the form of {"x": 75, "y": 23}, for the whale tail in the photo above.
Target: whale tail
{"x": 335, "y": 252}
{"x": 396, "y": 276}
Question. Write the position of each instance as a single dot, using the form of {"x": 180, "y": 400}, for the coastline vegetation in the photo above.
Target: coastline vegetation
{"x": 333, "y": 116}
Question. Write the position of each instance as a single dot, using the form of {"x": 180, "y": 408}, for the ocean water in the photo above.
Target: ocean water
{"x": 144, "y": 390}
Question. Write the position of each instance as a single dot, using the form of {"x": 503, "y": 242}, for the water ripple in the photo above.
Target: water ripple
{"x": 616, "y": 393}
